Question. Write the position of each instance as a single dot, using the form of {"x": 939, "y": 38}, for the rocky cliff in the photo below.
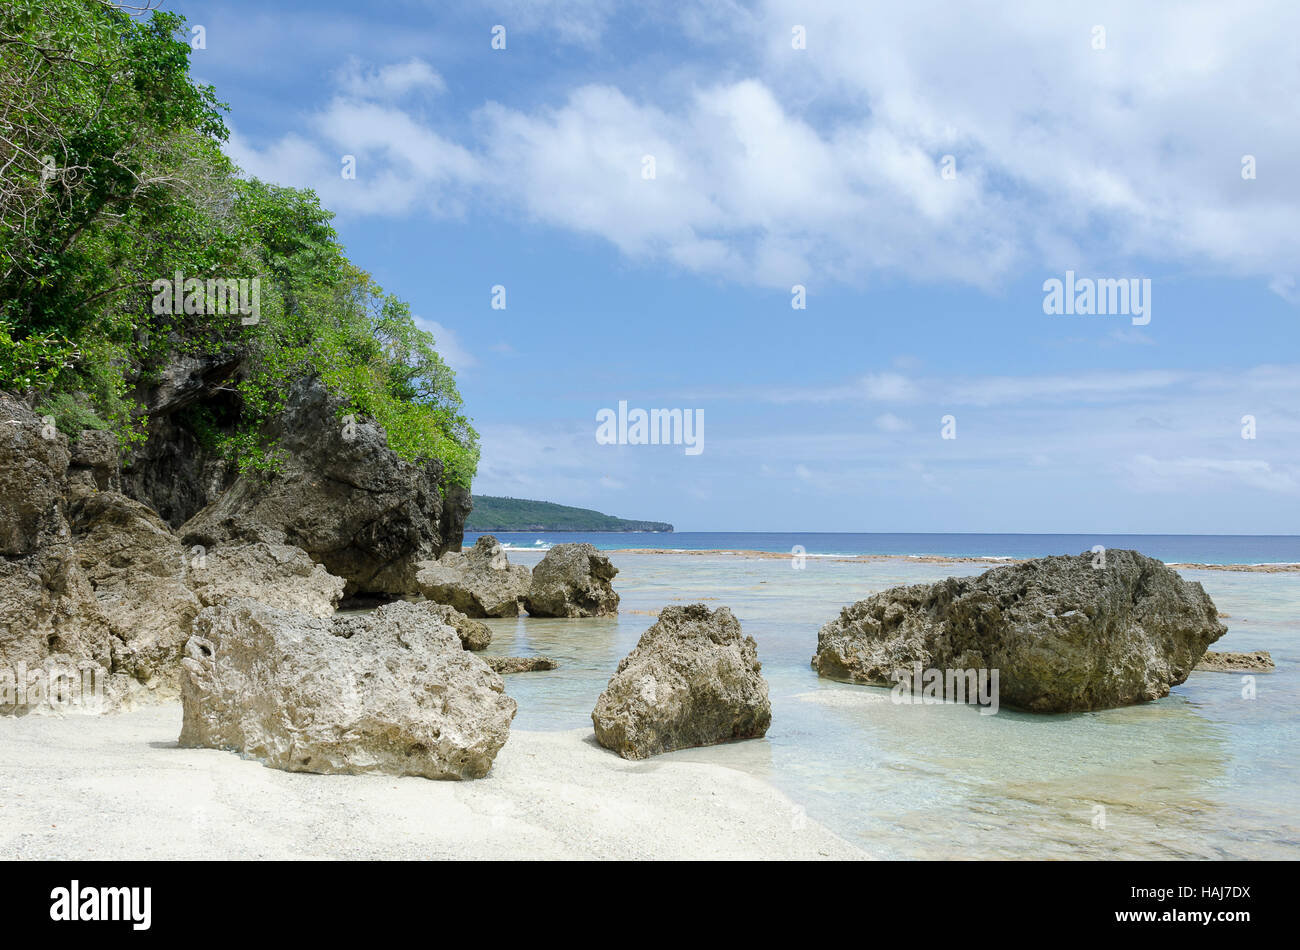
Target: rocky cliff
{"x": 342, "y": 496}
{"x": 98, "y": 571}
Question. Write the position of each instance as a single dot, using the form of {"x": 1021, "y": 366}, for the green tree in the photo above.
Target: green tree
{"x": 114, "y": 178}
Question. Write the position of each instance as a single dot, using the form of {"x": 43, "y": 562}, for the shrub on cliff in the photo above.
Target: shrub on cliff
{"x": 114, "y": 179}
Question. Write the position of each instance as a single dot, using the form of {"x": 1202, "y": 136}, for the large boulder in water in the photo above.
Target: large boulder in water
{"x": 391, "y": 692}
{"x": 480, "y": 582}
{"x": 1063, "y": 634}
{"x": 343, "y": 496}
{"x": 694, "y": 679}
{"x": 573, "y": 580}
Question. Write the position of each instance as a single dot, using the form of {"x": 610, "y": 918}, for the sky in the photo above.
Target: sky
{"x": 649, "y": 182}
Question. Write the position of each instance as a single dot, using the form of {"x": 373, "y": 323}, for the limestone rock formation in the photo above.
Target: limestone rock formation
{"x": 278, "y": 575}
{"x": 573, "y": 580}
{"x": 99, "y": 579}
{"x": 1064, "y": 635}
{"x": 342, "y": 496}
{"x": 391, "y": 692}
{"x": 1261, "y": 661}
{"x": 175, "y": 472}
{"x": 90, "y": 571}
{"x": 480, "y": 582}
{"x": 33, "y": 479}
{"x": 94, "y": 463}
{"x": 47, "y": 608}
{"x": 519, "y": 664}
{"x": 47, "y": 605}
{"x": 694, "y": 679}
{"x": 474, "y": 634}
{"x": 137, "y": 569}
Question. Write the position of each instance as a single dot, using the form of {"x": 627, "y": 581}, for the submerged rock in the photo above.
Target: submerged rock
{"x": 573, "y": 580}
{"x": 479, "y": 583}
{"x": 391, "y": 692}
{"x": 1261, "y": 661}
{"x": 1064, "y": 635}
{"x": 694, "y": 679}
{"x": 519, "y": 664}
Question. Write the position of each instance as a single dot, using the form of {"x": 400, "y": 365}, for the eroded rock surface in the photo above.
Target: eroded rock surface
{"x": 520, "y": 664}
{"x": 1064, "y": 635}
{"x": 1260, "y": 661}
{"x": 278, "y": 575}
{"x": 480, "y": 582}
{"x": 137, "y": 569}
{"x": 390, "y": 692}
{"x": 48, "y": 610}
{"x": 474, "y": 634}
{"x": 573, "y": 580}
{"x": 342, "y": 496}
{"x": 694, "y": 679}
{"x": 34, "y": 460}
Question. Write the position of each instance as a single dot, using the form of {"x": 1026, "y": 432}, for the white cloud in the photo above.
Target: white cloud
{"x": 1285, "y": 287}
{"x": 1066, "y": 156}
{"x": 888, "y": 422}
{"x": 1152, "y": 474}
{"x": 1136, "y": 147}
{"x": 1089, "y": 386}
{"x": 1127, "y": 335}
{"x": 448, "y": 345}
{"x": 389, "y": 82}
{"x": 574, "y": 22}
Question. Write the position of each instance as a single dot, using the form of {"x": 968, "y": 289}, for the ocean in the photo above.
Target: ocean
{"x": 1174, "y": 548}
{"x": 1210, "y": 771}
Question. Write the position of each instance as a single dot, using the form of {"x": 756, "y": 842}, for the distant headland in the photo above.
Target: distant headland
{"x": 492, "y": 513}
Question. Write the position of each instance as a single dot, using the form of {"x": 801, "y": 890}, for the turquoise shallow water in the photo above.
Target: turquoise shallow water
{"x": 1202, "y": 773}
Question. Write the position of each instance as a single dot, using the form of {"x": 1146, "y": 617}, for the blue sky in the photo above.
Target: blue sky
{"x": 822, "y": 167}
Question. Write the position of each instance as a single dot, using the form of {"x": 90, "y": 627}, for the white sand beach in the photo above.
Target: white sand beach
{"x": 119, "y": 787}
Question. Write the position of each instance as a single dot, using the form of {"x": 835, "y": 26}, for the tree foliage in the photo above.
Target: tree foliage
{"x": 114, "y": 178}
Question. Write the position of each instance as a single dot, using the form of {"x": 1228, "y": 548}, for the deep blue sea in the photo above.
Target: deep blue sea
{"x": 1173, "y": 548}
